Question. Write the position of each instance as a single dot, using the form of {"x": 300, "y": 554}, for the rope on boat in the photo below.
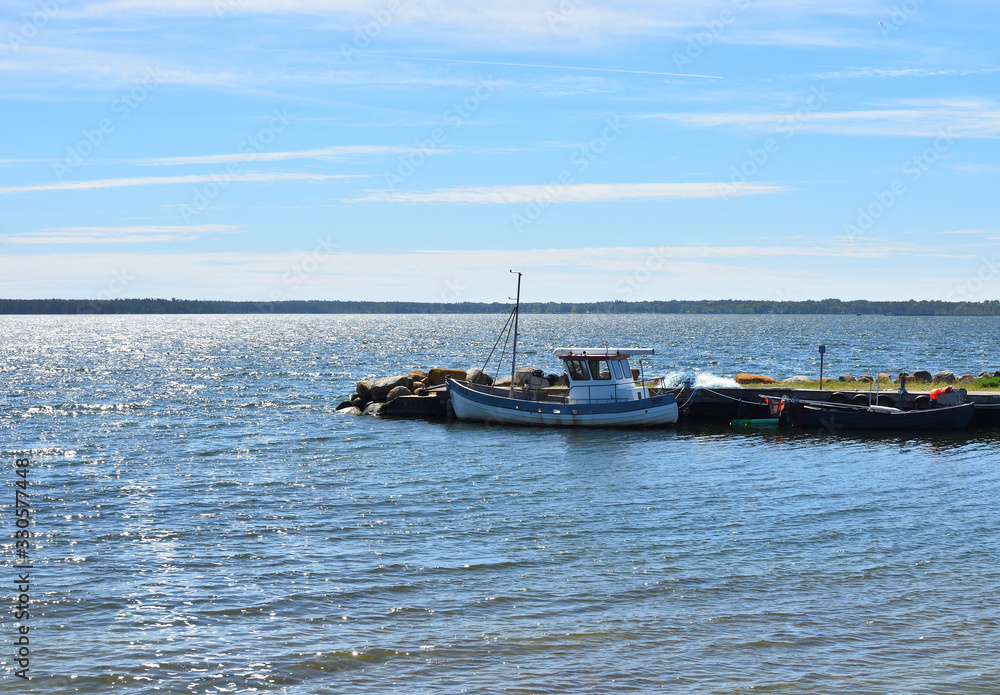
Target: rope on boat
{"x": 694, "y": 392}
{"x": 722, "y": 395}
{"x": 507, "y": 327}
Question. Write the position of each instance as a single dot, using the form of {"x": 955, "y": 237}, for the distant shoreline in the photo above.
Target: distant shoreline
{"x": 707, "y": 306}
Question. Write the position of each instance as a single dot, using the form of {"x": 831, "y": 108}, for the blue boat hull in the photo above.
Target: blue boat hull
{"x": 470, "y": 404}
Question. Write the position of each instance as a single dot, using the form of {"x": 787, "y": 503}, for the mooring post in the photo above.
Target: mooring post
{"x": 822, "y": 350}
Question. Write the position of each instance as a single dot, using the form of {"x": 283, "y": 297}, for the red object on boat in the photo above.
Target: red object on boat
{"x": 937, "y": 392}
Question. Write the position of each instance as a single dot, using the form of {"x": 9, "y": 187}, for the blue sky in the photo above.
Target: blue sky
{"x": 398, "y": 150}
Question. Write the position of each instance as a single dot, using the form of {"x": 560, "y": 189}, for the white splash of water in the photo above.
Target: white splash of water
{"x": 713, "y": 381}
{"x": 704, "y": 380}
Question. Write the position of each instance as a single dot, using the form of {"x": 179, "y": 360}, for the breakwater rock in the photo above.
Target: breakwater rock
{"x": 417, "y": 391}
{"x": 919, "y": 377}
{"x": 425, "y": 393}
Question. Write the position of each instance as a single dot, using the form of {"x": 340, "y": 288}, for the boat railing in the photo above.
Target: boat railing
{"x": 521, "y": 393}
{"x": 612, "y": 393}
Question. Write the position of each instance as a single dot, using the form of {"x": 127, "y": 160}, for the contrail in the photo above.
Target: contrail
{"x": 555, "y": 67}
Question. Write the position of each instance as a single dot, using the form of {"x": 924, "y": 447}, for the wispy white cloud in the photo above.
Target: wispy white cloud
{"x": 559, "y": 67}
{"x": 42, "y": 66}
{"x": 331, "y": 153}
{"x": 959, "y": 119}
{"x": 577, "y": 274}
{"x": 27, "y": 160}
{"x": 528, "y": 15}
{"x": 892, "y": 73}
{"x": 783, "y": 31}
{"x": 805, "y": 23}
{"x": 255, "y": 177}
{"x": 571, "y": 193}
{"x": 324, "y": 153}
{"x": 136, "y": 234}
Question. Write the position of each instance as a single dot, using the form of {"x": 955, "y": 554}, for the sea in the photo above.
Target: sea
{"x": 200, "y": 519}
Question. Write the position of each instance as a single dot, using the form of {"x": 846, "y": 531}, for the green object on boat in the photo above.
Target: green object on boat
{"x": 757, "y": 422}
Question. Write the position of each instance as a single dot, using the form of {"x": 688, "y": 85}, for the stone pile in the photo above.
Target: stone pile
{"x": 371, "y": 395}
{"x": 918, "y": 377}
{"x": 946, "y": 377}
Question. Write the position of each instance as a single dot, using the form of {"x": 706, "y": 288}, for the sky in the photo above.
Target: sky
{"x": 419, "y": 150}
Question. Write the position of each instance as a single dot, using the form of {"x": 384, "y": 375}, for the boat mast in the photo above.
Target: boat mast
{"x": 513, "y": 357}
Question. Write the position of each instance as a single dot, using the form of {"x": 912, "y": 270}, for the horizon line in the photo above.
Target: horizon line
{"x": 744, "y": 307}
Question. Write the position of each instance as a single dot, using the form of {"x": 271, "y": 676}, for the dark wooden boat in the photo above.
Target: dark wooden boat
{"x": 833, "y": 417}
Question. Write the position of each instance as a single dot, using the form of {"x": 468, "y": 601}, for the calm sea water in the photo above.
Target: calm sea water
{"x": 204, "y": 522}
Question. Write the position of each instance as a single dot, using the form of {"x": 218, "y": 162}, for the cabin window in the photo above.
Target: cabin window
{"x": 599, "y": 370}
{"x": 577, "y": 370}
{"x": 616, "y": 367}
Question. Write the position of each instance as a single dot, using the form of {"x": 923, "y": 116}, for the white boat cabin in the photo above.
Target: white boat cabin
{"x": 602, "y": 374}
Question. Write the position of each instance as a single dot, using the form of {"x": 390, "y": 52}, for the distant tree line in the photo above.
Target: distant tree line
{"x": 705, "y": 306}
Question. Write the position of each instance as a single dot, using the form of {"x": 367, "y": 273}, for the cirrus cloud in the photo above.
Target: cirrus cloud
{"x": 570, "y": 193}
{"x": 133, "y": 234}
{"x": 253, "y": 176}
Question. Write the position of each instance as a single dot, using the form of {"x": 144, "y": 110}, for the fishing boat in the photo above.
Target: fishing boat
{"x": 834, "y": 417}
{"x": 601, "y": 392}
{"x": 599, "y": 389}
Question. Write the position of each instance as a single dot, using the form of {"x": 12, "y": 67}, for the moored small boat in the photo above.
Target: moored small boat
{"x": 601, "y": 392}
{"x": 833, "y": 417}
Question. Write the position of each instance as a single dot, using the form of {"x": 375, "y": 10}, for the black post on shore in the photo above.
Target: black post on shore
{"x": 822, "y": 350}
